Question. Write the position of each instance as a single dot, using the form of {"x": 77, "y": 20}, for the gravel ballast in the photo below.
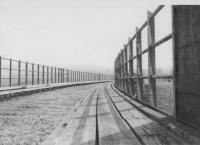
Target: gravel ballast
{"x": 28, "y": 120}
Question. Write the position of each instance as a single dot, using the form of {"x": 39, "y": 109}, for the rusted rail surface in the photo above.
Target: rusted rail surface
{"x": 20, "y": 73}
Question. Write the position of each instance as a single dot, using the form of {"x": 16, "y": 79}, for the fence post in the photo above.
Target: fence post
{"x": 0, "y": 70}
{"x": 118, "y": 69}
{"x": 75, "y": 76}
{"x": 10, "y": 73}
{"x": 60, "y": 75}
{"x": 19, "y": 73}
{"x": 63, "y": 75}
{"x": 139, "y": 64}
{"x": 126, "y": 70}
{"x": 123, "y": 71}
{"x": 72, "y": 75}
{"x": 55, "y": 74}
{"x": 43, "y": 74}
{"x": 131, "y": 74}
{"x": 83, "y": 76}
{"x": 67, "y": 75}
{"x": 86, "y": 76}
{"x": 47, "y": 74}
{"x": 79, "y": 76}
{"x": 32, "y": 74}
{"x": 38, "y": 74}
{"x": 51, "y": 74}
{"x": 151, "y": 57}
{"x": 26, "y": 73}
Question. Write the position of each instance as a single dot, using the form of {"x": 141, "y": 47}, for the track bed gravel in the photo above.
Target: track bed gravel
{"x": 28, "y": 120}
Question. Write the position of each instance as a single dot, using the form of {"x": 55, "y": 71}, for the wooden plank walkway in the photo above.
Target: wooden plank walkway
{"x": 107, "y": 118}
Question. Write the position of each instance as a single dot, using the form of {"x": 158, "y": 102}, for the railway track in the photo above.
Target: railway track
{"x": 107, "y": 117}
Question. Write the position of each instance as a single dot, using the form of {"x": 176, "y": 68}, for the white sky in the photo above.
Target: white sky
{"x": 76, "y": 33}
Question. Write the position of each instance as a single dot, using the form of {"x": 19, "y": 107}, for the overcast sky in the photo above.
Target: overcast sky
{"x": 77, "y": 33}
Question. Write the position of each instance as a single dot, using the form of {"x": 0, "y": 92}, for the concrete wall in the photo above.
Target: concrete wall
{"x": 186, "y": 38}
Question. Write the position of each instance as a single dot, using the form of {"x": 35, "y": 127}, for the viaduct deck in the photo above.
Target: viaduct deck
{"x": 109, "y": 117}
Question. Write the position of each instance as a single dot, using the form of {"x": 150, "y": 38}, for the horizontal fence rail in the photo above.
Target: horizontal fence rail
{"x": 20, "y": 73}
{"x": 130, "y": 77}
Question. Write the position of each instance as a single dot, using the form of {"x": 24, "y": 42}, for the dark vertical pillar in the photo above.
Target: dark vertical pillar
{"x": 186, "y": 28}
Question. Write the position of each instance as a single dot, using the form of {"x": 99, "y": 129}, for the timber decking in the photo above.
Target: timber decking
{"x": 107, "y": 117}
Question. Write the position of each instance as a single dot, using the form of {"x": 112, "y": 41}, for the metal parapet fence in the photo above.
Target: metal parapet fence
{"x": 21, "y": 73}
{"x": 129, "y": 74}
